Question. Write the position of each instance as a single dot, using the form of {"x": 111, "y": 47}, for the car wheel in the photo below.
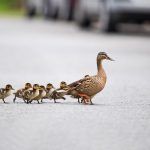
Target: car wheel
{"x": 30, "y": 10}
{"x": 54, "y": 13}
{"x": 83, "y": 20}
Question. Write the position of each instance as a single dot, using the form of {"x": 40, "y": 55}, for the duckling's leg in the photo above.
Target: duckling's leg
{"x": 55, "y": 100}
{"x": 24, "y": 100}
{"x": 41, "y": 100}
{"x": 38, "y": 101}
{"x": 28, "y": 101}
{"x": 82, "y": 100}
{"x": 79, "y": 100}
{"x": 63, "y": 98}
{"x": 14, "y": 99}
{"x": 3, "y": 100}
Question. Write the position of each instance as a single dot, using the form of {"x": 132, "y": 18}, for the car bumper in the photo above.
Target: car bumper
{"x": 132, "y": 14}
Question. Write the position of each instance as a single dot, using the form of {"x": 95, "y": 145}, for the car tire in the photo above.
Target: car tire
{"x": 30, "y": 11}
{"x": 54, "y": 13}
{"x": 85, "y": 22}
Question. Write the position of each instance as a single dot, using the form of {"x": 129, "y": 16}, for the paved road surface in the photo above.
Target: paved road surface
{"x": 38, "y": 51}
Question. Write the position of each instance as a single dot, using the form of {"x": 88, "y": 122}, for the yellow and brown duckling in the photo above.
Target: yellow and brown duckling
{"x": 49, "y": 90}
{"x": 89, "y": 86}
{"x": 66, "y": 90}
{"x": 5, "y": 92}
{"x": 52, "y": 93}
{"x": 42, "y": 94}
{"x": 19, "y": 93}
{"x": 29, "y": 95}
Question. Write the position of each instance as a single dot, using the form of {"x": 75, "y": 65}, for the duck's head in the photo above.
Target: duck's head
{"x": 9, "y": 87}
{"x": 28, "y": 85}
{"x": 49, "y": 86}
{"x": 42, "y": 88}
{"x": 36, "y": 86}
{"x": 102, "y": 56}
{"x": 63, "y": 85}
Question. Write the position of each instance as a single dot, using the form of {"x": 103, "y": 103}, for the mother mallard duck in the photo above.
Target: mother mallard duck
{"x": 89, "y": 86}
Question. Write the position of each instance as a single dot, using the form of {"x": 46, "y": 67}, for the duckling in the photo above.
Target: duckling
{"x": 52, "y": 93}
{"x": 64, "y": 89}
{"x": 19, "y": 93}
{"x": 5, "y": 92}
{"x": 49, "y": 90}
{"x": 29, "y": 95}
{"x": 42, "y": 94}
{"x": 64, "y": 86}
{"x": 89, "y": 86}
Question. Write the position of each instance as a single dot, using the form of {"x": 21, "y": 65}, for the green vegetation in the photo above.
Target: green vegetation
{"x": 11, "y": 7}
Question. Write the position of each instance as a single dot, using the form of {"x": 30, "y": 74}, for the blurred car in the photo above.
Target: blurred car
{"x": 63, "y": 9}
{"x": 33, "y": 7}
{"x": 113, "y": 12}
{"x": 87, "y": 11}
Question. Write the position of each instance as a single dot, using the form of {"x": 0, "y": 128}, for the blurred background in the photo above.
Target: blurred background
{"x": 44, "y": 41}
{"x": 107, "y": 15}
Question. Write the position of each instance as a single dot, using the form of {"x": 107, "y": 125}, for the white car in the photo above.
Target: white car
{"x": 87, "y": 11}
{"x": 113, "y": 12}
{"x": 63, "y": 9}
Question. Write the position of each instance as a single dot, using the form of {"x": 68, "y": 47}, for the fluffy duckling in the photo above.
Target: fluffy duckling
{"x": 30, "y": 95}
{"x": 49, "y": 90}
{"x": 52, "y": 93}
{"x": 5, "y": 92}
{"x": 64, "y": 90}
{"x": 19, "y": 93}
{"x": 68, "y": 90}
{"x": 42, "y": 94}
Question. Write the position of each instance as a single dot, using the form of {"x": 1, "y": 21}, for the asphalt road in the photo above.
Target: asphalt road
{"x": 39, "y": 51}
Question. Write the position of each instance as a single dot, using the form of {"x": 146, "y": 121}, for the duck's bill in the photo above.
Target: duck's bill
{"x": 110, "y": 59}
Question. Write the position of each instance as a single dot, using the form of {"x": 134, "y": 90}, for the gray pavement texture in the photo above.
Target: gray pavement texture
{"x": 39, "y": 51}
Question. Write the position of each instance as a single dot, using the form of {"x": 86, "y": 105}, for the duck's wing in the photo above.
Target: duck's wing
{"x": 79, "y": 82}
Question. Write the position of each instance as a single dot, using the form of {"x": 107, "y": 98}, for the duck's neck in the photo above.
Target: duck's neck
{"x": 100, "y": 71}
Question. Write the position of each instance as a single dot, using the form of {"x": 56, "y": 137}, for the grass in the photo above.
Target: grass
{"x": 7, "y": 11}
